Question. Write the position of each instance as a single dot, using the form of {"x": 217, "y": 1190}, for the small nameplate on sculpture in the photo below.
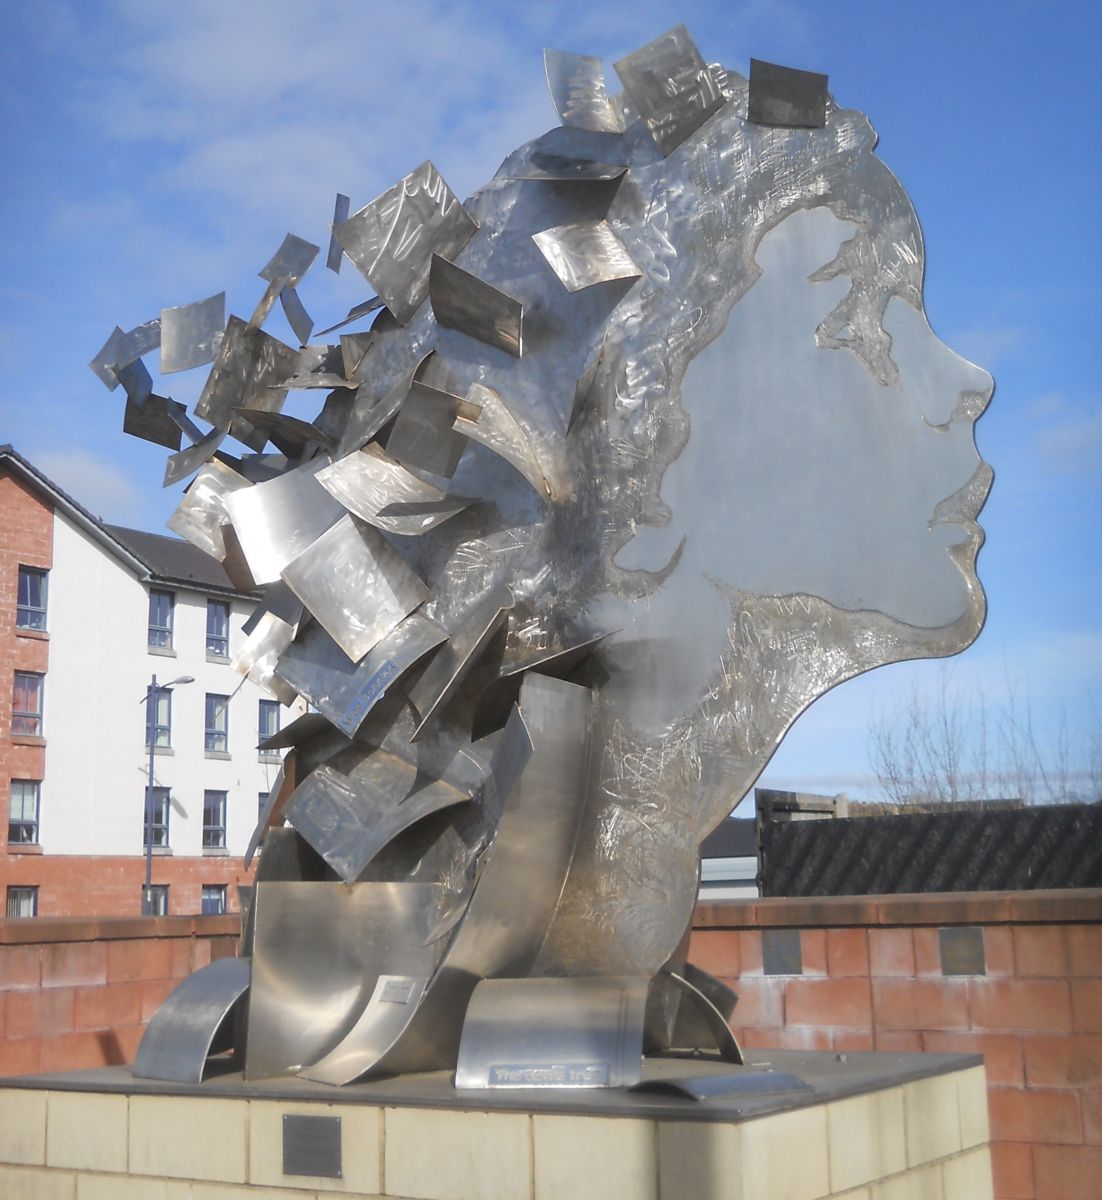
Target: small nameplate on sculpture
{"x": 397, "y": 991}
{"x": 549, "y": 1075}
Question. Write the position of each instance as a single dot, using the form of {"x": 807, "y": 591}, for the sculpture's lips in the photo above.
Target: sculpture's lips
{"x": 964, "y": 505}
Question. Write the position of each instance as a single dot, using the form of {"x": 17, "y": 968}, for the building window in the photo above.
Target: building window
{"x": 214, "y": 821}
{"x": 262, "y": 803}
{"x": 26, "y": 708}
{"x": 22, "y": 902}
{"x": 156, "y": 818}
{"x": 214, "y": 899}
{"x": 160, "y": 619}
{"x": 269, "y": 722}
{"x": 216, "y": 723}
{"x": 30, "y": 612}
{"x": 23, "y": 813}
{"x": 218, "y": 629}
{"x": 158, "y": 728}
{"x": 155, "y": 900}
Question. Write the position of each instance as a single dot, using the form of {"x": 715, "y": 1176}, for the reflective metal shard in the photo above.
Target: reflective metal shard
{"x": 787, "y": 97}
{"x": 577, "y": 86}
{"x": 340, "y": 214}
{"x": 121, "y": 349}
{"x": 191, "y": 333}
{"x": 484, "y": 417}
{"x": 584, "y": 254}
{"x": 191, "y": 458}
{"x": 423, "y": 437}
{"x": 259, "y": 654}
{"x": 202, "y": 511}
{"x": 136, "y": 381}
{"x": 355, "y": 583}
{"x": 464, "y": 302}
{"x": 392, "y": 239}
{"x": 154, "y": 421}
{"x": 671, "y": 87}
{"x": 382, "y": 492}
{"x": 290, "y": 262}
{"x": 298, "y": 318}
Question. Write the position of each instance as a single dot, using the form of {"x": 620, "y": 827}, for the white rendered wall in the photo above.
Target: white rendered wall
{"x": 99, "y": 669}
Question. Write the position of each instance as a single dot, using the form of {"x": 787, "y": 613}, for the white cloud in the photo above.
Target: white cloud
{"x": 93, "y": 483}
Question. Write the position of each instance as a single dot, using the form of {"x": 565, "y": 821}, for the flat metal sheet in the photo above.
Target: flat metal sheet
{"x": 354, "y": 314}
{"x": 558, "y": 168}
{"x": 356, "y": 585}
{"x": 294, "y": 310}
{"x": 276, "y": 521}
{"x": 121, "y": 349}
{"x": 278, "y": 599}
{"x": 136, "y": 381}
{"x": 729, "y": 1084}
{"x": 290, "y": 435}
{"x": 585, "y": 254}
{"x": 312, "y": 1146}
{"x": 259, "y": 653}
{"x": 154, "y": 421}
{"x": 318, "y": 952}
{"x": 446, "y": 671}
{"x": 202, "y": 512}
{"x": 392, "y": 239}
{"x": 354, "y": 348}
{"x": 180, "y": 1035}
{"x": 191, "y": 333}
{"x": 577, "y": 86}
{"x": 472, "y": 306}
{"x": 290, "y": 262}
{"x": 300, "y": 731}
{"x": 786, "y": 97}
{"x": 423, "y": 437}
{"x": 340, "y": 214}
{"x": 345, "y": 692}
{"x": 349, "y": 818}
{"x": 484, "y": 417}
{"x": 191, "y": 458}
{"x": 380, "y": 491}
{"x": 553, "y": 1033}
{"x": 250, "y": 371}
{"x": 671, "y": 87}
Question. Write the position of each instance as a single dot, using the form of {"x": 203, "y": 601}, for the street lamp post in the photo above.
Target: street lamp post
{"x": 150, "y": 714}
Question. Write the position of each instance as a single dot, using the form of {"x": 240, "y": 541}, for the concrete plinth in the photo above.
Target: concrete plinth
{"x": 873, "y": 1127}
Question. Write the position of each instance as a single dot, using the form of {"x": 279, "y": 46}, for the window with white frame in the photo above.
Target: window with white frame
{"x": 158, "y": 726}
{"x": 213, "y": 901}
{"x": 214, "y": 820}
{"x": 30, "y": 610}
{"x": 26, "y": 706}
{"x": 269, "y": 724}
{"x": 22, "y": 902}
{"x": 218, "y": 629}
{"x": 161, "y": 605}
{"x": 156, "y": 817}
{"x": 23, "y": 812}
{"x": 155, "y": 900}
{"x": 216, "y": 724}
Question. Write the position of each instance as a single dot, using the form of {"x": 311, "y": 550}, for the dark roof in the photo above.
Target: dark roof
{"x": 172, "y": 560}
{"x": 153, "y": 557}
{"x": 735, "y": 838}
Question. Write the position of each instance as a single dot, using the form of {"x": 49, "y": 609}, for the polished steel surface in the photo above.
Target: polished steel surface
{"x": 380, "y": 491}
{"x": 185, "y": 1029}
{"x": 585, "y": 254}
{"x": 392, "y": 239}
{"x": 187, "y": 461}
{"x": 356, "y": 585}
{"x": 463, "y": 302}
{"x": 121, "y": 349}
{"x": 191, "y": 333}
{"x": 272, "y": 813}
{"x": 574, "y": 1033}
{"x": 202, "y": 511}
{"x": 784, "y": 96}
{"x": 701, "y": 1025}
{"x": 277, "y": 520}
{"x": 732, "y": 479}
{"x": 290, "y": 262}
{"x": 154, "y": 420}
{"x": 294, "y": 310}
{"x": 259, "y": 654}
{"x": 340, "y": 214}
{"x": 290, "y": 435}
{"x": 319, "y": 949}
{"x": 136, "y": 382}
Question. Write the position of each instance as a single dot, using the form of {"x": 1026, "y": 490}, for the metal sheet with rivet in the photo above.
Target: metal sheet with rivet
{"x": 191, "y": 333}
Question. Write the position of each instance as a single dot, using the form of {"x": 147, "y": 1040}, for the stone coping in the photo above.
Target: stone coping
{"x": 832, "y": 1076}
{"x": 32, "y": 931}
{"x": 1056, "y": 906}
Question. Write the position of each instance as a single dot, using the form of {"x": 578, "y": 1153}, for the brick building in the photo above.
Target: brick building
{"x": 89, "y": 614}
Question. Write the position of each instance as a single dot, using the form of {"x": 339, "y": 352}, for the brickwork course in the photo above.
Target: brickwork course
{"x": 875, "y": 974}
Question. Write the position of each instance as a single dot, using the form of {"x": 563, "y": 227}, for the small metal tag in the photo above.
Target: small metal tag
{"x": 312, "y": 1146}
{"x": 549, "y": 1075}
{"x": 781, "y": 953}
{"x": 397, "y": 991}
{"x": 962, "y": 951}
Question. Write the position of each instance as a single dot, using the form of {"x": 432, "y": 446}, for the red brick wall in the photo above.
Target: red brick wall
{"x": 85, "y": 886}
{"x": 77, "y": 994}
{"x": 27, "y": 538}
{"x": 872, "y": 979}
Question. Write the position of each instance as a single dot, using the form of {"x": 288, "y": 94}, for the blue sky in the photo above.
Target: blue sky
{"x": 158, "y": 152}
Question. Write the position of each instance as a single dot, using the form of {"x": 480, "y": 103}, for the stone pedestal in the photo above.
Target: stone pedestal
{"x": 874, "y": 1127}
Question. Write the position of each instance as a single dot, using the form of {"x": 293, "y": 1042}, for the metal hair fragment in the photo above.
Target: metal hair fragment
{"x": 354, "y": 314}
{"x": 190, "y": 333}
{"x": 392, "y": 239}
{"x": 121, "y": 349}
{"x": 290, "y": 262}
{"x": 786, "y": 97}
{"x": 671, "y": 87}
{"x": 585, "y": 254}
{"x": 423, "y": 437}
{"x": 298, "y": 318}
{"x": 472, "y": 306}
{"x": 153, "y": 421}
{"x": 181, "y": 465}
{"x": 557, "y": 168}
{"x": 202, "y": 512}
{"x": 137, "y": 383}
{"x": 290, "y": 435}
{"x": 257, "y": 658}
{"x": 340, "y": 214}
{"x": 484, "y": 418}
{"x": 577, "y": 86}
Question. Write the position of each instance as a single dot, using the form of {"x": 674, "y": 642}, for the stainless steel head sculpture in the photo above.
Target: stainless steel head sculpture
{"x": 649, "y": 445}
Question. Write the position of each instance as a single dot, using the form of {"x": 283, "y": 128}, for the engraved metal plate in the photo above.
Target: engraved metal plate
{"x": 780, "y": 952}
{"x": 962, "y": 951}
{"x": 311, "y": 1146}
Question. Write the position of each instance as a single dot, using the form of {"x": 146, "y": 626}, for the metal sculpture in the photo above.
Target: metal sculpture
{"x": 648, "y": 445}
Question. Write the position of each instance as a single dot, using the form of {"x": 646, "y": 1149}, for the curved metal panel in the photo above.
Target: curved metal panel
{"x": 202, "y": 512}
{"x": 290, "y": 262}
{"x": 585, "y": 254}
{"x": 190, "y": 334}
{"x": 180, "y": 1033}
{"x": 470, "y": 305}
{"x": 577, "y": 86}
